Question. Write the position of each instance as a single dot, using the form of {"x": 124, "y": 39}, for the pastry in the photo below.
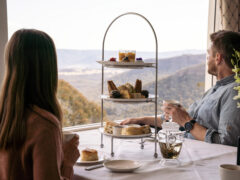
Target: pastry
{"x": 112, "y": 59}
{"x": 111, "y": 86}
{"x": 133, "y": 130}
{"x": 122, "y": 87}
{"x": 115, "y": 94}
{"x": 125, "y": 94}
{"x": 139, "y": 59}
{"x": 136, "y": 95}
{"x": 89, "y": 155}
{"x": 129, "y": 87}
{"x": 138, "y": 86}
{"x": 145, "y": 93}
{"x": 108, "y": 128}
{"x": 146, "y": 129}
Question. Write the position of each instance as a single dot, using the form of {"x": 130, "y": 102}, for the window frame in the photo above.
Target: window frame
{"x": 209, "y": 79}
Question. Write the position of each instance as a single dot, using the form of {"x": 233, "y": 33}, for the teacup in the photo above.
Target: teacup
{"x": 68, "y": 135}
{"x": 229, "y": 172}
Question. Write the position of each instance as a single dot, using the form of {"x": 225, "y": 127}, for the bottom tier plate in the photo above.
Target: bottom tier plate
{"x": 124, "y": 136}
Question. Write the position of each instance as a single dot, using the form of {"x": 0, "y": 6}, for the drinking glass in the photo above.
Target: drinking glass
{"x": 172, "y": 102}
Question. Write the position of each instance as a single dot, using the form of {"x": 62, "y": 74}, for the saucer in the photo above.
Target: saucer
{"x": 122, "y": 165}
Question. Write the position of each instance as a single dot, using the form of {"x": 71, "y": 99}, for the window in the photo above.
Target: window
{"x": 77, "y": 28}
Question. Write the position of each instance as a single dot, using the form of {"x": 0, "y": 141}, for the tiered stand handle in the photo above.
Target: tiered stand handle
{"x": 156, "y": 66}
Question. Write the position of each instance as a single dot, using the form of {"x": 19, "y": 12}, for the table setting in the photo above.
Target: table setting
{"x": 197, "y": 160}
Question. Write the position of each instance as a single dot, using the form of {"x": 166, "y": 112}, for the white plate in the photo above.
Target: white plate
{"x": 122, "y": 165}
{"x": 101, "y": 158}
{"x": 125, "y": 136}
{"x": 125, "y": 64}
{"x": 151, "y": 98}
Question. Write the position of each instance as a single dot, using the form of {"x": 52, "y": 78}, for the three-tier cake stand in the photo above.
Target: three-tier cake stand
{"x": 153, "y": 98}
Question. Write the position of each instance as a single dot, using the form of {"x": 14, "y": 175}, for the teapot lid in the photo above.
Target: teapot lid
{"x": 170, "y": 127}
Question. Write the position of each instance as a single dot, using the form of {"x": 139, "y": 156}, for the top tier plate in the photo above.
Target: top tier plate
{"x": 128, "y": 65}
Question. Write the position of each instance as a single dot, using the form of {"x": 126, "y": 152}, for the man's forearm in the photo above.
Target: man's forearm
{"x": 151, "y": 121}
{"x": 199, "y": 132}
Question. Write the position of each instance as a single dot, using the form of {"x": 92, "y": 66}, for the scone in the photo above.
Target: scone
{"x": 108, "y": 128}
{"x": 89, "y": 155}
{"x": 125, "y": 94}
{"x": 132, "y": 130}
{"x": 146, "y": 129}
{"x": 122, "y": 87}
{"x": 129, "y": 87}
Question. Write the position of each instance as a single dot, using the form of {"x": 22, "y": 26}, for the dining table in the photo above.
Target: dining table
{"x": 198, "y": 160}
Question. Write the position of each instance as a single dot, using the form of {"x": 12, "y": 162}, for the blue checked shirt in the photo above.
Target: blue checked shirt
{"x": 218, "y": 112}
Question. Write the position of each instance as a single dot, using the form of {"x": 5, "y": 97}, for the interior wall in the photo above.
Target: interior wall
{"x": 222, "y": 15}
{"x": 3, "y": 35}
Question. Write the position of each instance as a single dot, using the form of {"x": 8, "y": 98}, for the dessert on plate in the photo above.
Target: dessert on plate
{"x": 112, "y": 59}
{"x": 89, "y": 155}
{"x": 131, "y": 129}
{"x": 127, "y": 91}
{"x": 127, "y": 56}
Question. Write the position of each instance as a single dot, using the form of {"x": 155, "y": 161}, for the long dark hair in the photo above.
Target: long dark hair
{"x": 31, "y": 78}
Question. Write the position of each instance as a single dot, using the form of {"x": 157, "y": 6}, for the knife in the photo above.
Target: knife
{"x": 89, "y": 168}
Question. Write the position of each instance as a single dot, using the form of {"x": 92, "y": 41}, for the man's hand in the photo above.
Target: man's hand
{"x": 131, "y": 121}
{"x": 178, "y": 113}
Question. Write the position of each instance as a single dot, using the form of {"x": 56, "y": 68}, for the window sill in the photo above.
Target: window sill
{"x": 85, "y": 127}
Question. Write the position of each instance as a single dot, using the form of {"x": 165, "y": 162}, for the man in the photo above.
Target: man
{"x": 215, "y": 118}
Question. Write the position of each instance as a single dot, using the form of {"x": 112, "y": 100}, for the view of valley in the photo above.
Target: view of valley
{"x": 180, "y": 77}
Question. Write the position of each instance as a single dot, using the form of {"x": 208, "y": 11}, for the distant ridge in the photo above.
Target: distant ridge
{"x": 69, "y": 58}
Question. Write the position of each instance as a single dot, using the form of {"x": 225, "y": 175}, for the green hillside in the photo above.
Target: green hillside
{"x": 76, "y": 108}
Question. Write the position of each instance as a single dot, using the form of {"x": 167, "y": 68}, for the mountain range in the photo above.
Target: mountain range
{"x": 179, "y": 77}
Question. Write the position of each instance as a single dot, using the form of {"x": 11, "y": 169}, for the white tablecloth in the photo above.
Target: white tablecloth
{"x": 199, "y": 160}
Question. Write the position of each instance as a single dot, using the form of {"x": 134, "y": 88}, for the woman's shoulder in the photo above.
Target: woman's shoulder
{"x": 38, "y": 118}
{"x": 41, "y": 125}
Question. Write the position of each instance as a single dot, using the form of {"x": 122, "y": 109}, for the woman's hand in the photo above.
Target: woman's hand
{"x": 131, "y": 121}
{"x": 71, "y": 152}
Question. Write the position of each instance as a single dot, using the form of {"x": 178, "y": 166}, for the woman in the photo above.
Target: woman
{"x": 30, "y": 115}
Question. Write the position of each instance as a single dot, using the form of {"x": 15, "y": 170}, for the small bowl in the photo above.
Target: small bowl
{"x": 117, "y": 130}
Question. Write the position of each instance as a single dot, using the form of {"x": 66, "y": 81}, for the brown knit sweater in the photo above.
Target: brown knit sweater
{"x": 41, "y": 156}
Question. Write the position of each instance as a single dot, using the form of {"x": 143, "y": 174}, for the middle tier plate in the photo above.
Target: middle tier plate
{"x": 101, "y": 129}
{"x": 151, "y": 98}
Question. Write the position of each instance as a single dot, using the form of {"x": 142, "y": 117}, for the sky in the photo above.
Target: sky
{"x": 81, "y": 24}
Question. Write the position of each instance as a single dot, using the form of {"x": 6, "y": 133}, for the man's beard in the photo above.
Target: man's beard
{"x": 212, "y": 70}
